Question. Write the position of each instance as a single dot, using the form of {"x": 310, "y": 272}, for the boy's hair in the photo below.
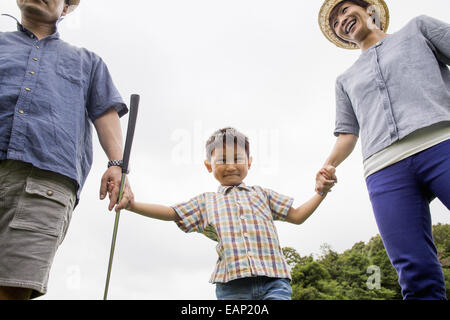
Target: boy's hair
{"x": 225, "y": 136}
{"x": 334, "y": 13}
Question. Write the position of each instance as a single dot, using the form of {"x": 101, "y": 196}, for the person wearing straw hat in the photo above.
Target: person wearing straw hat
{"x": 50, "y": 93}
{"x": 396, "y": 97}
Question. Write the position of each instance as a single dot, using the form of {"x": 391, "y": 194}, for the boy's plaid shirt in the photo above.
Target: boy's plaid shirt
{"x": 241, "y": 220}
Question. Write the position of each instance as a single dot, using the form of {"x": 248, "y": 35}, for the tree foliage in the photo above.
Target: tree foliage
{"x": 363, "y": 272}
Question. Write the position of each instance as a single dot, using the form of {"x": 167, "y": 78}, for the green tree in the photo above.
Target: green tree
{"x": 349, "y": 275}
{"x": 441, "y": 235}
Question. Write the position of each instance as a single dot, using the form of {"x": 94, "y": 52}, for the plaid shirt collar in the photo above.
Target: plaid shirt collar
{"x": 225, "y": 189}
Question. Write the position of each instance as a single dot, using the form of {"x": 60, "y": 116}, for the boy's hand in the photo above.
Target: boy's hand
{"x": 110, "y": 187}
{"x": 113, "y": 177}
{"x": 325, "y": 180}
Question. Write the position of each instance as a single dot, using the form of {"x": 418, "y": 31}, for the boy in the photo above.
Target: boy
{"x": 251, "y": 265}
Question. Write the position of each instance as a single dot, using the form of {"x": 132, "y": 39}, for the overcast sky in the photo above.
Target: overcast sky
{"x": 200, "y": 65}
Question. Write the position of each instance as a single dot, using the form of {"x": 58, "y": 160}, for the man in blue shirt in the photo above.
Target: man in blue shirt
{"x": 50, "y": 93}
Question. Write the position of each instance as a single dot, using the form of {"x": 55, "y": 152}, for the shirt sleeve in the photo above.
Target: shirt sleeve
{"x": 103, "y": 94}
{"x": 191, "y": 215}
{"x": 438, "y": 33}
{"x": 279, "y": 204}
{"x": 346, "y": 121}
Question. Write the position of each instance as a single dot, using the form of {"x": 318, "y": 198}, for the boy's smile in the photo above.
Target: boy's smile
{"x": 229, "y": 171}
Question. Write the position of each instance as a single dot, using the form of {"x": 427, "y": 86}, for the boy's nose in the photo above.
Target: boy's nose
{"x": 230, "y": 168}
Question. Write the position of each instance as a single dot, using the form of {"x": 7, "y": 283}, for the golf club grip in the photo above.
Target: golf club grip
{"x": 134, "y": 107}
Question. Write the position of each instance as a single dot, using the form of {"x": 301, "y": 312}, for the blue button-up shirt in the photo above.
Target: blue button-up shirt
{"x": 50, "y": 93}
{"x": 397, "y": 86}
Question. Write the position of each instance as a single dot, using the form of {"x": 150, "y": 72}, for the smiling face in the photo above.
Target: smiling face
{"x": 46, "y": 11}
{"x": 351, "y": 22}
{"x": 231, "y": 167}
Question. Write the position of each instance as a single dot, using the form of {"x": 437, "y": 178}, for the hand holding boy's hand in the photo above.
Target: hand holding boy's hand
{"x": 325, "y": 180}
{"x": 111, "y": 184}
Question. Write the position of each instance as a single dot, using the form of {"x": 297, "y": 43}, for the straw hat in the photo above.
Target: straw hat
{"x": 73, "y": 5}
{"x": 324, "y": 17}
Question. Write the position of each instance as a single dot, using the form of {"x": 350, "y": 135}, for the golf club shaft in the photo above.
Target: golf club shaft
{"x": 113, "y": 244}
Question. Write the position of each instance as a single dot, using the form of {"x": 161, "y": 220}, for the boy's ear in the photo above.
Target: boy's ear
{"x": 208, "y": 166}
{"x": 250, "y": 160}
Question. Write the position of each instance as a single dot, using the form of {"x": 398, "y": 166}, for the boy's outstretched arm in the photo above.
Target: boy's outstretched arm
{"x": 299, "y": 215}
{"x": 154, "y": 211}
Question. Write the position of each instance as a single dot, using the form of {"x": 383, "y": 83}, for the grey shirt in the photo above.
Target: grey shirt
{"x": 398, "y": 86}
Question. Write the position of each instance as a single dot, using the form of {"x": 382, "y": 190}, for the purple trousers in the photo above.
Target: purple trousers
{"x": 400, "y": 196}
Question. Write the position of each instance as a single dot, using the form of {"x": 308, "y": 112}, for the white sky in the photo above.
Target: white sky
{"x": 200, "y": 65}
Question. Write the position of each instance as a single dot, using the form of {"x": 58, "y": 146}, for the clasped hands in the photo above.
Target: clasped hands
{"x": 110, "y": 184}
{"x": 325, "y": 180}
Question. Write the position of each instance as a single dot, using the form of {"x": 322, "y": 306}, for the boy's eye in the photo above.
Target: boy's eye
{"x": 335, "y": 24}
{"x": 344, "y": 10}
{"x": 235, "y": 160}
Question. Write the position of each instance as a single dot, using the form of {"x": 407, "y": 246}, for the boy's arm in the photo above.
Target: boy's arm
{"x": 299, "y": 215}
{"x": 154, "y": 211}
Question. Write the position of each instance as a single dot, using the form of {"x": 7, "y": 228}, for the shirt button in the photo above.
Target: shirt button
{"x": 27, "y": 89}
{"x": 37, "y": 47}
{"x": 50, "y": 193}
{"x": 21, "y": 111}
{"x": 35, "y": 59}
{"x": 32, "y": 73}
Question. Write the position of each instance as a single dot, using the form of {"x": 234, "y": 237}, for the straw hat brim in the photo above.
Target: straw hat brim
{"x": 73, "y": 4}
{"x": 324, "y": 17}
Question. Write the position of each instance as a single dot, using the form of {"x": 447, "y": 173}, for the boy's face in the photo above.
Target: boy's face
{"x": 231, "y": 167}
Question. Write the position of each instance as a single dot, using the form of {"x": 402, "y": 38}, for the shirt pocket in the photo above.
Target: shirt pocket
{"x": 43, "y": 208}
{"x": 69, "y": 66}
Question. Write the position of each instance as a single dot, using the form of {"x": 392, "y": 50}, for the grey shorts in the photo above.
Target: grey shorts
{"x": 35, "y": 211}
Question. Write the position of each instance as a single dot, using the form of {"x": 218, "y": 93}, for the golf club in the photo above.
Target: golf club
{"x": 134, "y": 107}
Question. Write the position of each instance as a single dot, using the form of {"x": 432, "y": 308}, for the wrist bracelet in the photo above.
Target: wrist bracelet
{"x": 115, "y": 163}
